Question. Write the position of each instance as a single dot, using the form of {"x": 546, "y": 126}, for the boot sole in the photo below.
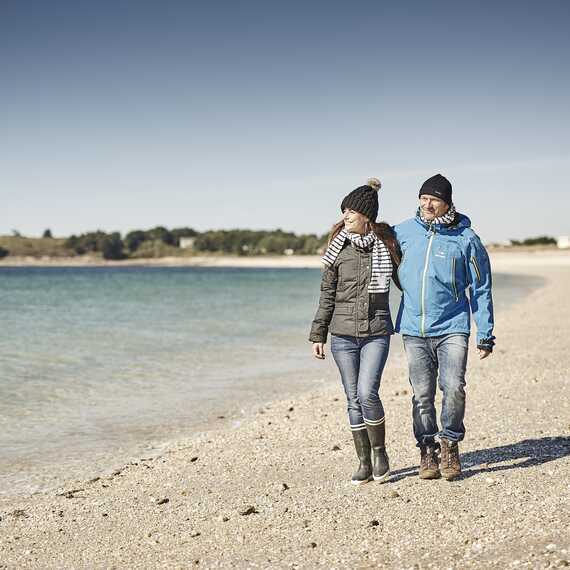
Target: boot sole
{"x": 357, "y": 483}
{"x": 451, "y": 476}
{"x": 383, "y": 478}
{"x": 427, "y": 476}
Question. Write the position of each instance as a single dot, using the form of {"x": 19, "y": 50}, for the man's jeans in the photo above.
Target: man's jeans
{"x": 426, "y": 356}
{"x": 361, "y": 362}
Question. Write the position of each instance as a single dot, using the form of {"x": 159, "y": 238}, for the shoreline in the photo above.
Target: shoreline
{"x": 271, "y": 461}
{"x": 498, "y": 259}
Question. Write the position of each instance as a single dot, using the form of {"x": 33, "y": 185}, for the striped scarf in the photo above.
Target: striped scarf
{"x": 381, "y": 261}
{"x": 444, "y": 220}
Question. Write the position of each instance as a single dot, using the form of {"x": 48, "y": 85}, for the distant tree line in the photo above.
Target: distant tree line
{"x": 540, "y": 240}
{"x": 248, "y": 242}
{"x": 236, "y": 242}
{"x": 114, "y": 246}
{"x": 134, "y": 239}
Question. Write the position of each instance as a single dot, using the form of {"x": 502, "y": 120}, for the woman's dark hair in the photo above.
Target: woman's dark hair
{"x": 383, "y": 231}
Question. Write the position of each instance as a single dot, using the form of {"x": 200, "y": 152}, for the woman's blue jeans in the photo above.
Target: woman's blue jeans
{"x": 433, "y": 360}
{"x": 361, "y": 362}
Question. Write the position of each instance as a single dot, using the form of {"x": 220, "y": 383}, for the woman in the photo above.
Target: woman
{"x": 360, "y": 259}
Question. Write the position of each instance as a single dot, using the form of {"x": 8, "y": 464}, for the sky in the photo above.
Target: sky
{"x": 121, "y": 115}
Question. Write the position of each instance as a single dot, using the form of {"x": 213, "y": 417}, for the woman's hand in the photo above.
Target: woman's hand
{"x": 319, "y": 350}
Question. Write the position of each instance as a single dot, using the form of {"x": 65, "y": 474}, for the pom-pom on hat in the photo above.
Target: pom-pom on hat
{"x": 364, "y": 199}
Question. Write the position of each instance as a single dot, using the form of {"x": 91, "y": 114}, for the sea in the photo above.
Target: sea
{"x": 101, "y": 365}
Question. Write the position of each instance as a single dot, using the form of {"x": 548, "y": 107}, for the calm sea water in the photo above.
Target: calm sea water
{"x": 98, "y": 365}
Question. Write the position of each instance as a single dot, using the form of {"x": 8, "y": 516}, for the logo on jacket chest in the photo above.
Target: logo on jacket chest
{"x": 442, "y": 254}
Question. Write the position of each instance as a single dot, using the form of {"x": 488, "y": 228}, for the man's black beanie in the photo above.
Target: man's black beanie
{"x": 438, "y": 186}
{"x": 364, "y": 199}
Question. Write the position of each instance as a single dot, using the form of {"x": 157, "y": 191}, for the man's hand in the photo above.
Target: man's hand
{"x": 484, "y": 353}
{"x": 319, "y": 350}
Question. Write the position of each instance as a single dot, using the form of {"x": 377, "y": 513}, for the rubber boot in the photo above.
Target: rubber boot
{"x": 380, "y": 462}
{"x": 362, "y": 445}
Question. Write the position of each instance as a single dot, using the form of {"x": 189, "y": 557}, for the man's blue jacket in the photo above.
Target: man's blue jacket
{"x": 439, "y": 264}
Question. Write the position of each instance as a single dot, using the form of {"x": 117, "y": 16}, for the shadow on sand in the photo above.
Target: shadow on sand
{"x": 525, "y": 453}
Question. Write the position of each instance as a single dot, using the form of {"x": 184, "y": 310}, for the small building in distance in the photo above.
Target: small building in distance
{"x": 563, "y": 242}
{"x": 187, "y": 242}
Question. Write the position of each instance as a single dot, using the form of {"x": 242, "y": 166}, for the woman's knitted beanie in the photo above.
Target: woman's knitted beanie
{"x": 364, "y": 199}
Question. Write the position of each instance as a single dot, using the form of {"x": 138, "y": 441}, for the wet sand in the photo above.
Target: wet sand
{"x": 275, "y": 493}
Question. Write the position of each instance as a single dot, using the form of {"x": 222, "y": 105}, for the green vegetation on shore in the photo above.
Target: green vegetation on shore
{"x": 162, "y": 242}
{"x": 21, "y": 246}
{"x": 540, "y": 240}
{"x": 179, "y": 242}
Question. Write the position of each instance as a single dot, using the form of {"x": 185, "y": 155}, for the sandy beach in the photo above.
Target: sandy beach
{"x": 274, "y": 491}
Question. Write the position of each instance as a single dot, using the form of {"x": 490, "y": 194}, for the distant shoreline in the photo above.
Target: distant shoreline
{"x": 292, "y": 261}
{"x": 499, "y": 258}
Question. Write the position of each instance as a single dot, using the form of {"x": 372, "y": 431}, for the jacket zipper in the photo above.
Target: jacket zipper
{"x": 476, "y": 266}
{"x": 453, "y": 284}
{"x": 423, "y": 315}
{"x": 357, "y": 298}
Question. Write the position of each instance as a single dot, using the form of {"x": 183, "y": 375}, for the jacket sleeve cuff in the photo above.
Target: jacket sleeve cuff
{"x": 313, "y": 340}
{"x": 313, "y": 337}
{"x": 486, "y": 343}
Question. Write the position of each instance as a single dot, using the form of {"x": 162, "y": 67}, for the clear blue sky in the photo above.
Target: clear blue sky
{"x": 129, "y": 114}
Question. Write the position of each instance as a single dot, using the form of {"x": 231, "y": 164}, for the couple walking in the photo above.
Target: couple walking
{"x": 434, "y": 258}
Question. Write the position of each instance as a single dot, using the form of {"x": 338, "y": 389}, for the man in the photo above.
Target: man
{"x": 442, "y": 259}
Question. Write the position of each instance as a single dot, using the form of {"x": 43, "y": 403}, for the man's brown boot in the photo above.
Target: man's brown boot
{"x": 429, "y": 462}
{"x": 450, "y": 464}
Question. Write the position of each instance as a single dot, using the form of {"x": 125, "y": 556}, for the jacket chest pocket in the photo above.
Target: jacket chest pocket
{"x": 448, "y": 268}
{"x": 347, "y": 273}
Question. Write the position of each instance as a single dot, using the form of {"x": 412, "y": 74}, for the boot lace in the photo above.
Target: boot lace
{"x": 429, "y": 457}
{"x": 433, "y": 458}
